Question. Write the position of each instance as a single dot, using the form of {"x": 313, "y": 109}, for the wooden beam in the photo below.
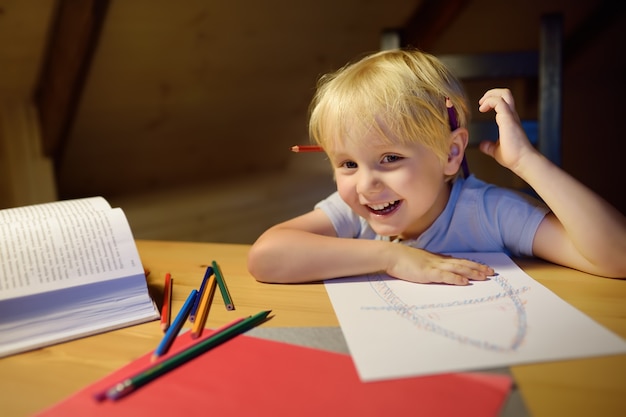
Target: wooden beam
{"x": 524, "y": 64}
{"x": 429, "y": 21}
{"x": 26, "y": 176}
{"x": 551, "y": 86}
{"x": 72, "y": 42}
{"x": 604, "y": 15}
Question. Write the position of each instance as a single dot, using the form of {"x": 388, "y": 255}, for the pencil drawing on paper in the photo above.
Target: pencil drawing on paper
{"x": 428, "y": 317}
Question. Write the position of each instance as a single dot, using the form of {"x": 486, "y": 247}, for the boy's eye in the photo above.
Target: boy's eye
{"x": 349, "y": 164}
{"x": 391, "y": 158}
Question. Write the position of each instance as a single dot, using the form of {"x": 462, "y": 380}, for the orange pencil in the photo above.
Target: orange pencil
{"x": 203, "y": 309}
{"x": 307, "y": 148}
{"x": 166, "y": 310}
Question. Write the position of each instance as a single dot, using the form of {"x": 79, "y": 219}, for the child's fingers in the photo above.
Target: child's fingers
{"x": 421, "y": 266}
{"x": 452, "y": 279}
{"x": 506, "y": 95}
{"x": 504, "y": 112}
{"x": 472, "y": 270}
{"x": 500, "y": 99}
{"x": 460, "y": 271}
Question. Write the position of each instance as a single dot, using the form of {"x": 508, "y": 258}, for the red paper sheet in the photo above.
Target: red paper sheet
{"x": 248, "y": 376}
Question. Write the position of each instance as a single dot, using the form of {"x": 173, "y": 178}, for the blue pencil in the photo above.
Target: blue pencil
{"x": 174, "y": 329}
{"x": 196, "y": 304}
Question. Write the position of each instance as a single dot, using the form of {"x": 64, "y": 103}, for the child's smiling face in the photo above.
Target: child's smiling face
{"x": 400, "y": 189}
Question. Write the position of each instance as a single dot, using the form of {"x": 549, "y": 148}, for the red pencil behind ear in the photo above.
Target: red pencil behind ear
{"x": 307, "y": 148}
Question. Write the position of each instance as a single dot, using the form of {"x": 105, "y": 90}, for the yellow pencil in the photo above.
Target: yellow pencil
{"x": 203, "y": 309}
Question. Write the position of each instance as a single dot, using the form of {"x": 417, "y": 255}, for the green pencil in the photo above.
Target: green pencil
{"x": 222, "y": 284}
{"x": 128, "y": 385}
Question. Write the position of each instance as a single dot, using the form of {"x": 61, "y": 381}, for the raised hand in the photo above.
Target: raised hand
{"x": 513, "y": 144}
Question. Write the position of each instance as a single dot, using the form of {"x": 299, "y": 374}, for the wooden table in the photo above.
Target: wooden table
{"x": 31, "y": 381}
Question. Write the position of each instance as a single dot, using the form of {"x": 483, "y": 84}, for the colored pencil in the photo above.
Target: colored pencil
{"x": 306, "y": 148}
{"x": 203, "y": 309}
{"x": 228, "y": 302}
{"x": 142, "y": 378}
{"x": 452, "y": 119}
{"x": 194, "y": 309}
{"x": 174, "y": 329}
{"x": 166, "y": 309}
{"x": 102, "y": 395}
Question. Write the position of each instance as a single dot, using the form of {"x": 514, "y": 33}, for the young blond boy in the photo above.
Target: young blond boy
{"x": 383, "y": 121}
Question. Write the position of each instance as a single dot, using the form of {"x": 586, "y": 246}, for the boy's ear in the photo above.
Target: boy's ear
{"x": 458, "y": 142}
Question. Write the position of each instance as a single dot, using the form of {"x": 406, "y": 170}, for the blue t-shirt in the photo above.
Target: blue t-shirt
{"x": 479, "y": 217}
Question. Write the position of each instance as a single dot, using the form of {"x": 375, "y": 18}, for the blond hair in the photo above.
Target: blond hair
{"x": 399, "y": 93}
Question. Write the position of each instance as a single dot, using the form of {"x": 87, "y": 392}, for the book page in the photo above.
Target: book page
{"x": 57, "y": 208}
{"x": 48, "y": 247}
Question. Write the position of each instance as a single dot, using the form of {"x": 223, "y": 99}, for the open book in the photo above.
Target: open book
{"x": 68, "y": 269}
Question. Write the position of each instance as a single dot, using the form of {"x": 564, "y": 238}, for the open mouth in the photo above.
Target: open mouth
{"x": 383, "y": 208}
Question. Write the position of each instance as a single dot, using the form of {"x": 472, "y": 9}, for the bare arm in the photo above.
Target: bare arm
{"x": 306, "y": 249}
{"x": 583, "y": 231}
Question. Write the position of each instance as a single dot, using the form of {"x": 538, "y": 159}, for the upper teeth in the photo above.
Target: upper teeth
{"x": 381, "y": 206}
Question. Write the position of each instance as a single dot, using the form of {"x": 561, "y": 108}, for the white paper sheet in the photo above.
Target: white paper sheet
{"x": 399, "y": 329}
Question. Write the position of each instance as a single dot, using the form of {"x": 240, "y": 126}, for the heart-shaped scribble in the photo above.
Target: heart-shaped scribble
{"x": 448, "y": 319}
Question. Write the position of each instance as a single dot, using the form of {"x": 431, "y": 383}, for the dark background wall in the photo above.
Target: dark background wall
{"x": 202, "y": 92}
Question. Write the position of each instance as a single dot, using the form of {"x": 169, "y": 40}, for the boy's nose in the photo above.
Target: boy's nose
{"x": 368, "y": 182}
